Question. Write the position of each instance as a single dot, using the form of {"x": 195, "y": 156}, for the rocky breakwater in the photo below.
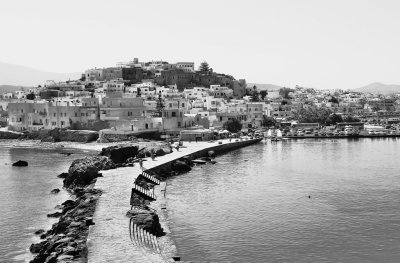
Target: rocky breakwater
{"x": 66, "y": 240}
{"x": 60, "y": 135}
{"x": 10, "y": 135}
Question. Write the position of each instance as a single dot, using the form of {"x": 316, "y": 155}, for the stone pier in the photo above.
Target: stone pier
{"x": 109, "y": 239}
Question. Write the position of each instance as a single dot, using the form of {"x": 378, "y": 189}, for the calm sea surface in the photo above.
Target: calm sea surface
{"x": 254, "y": 205}
{"x": 25, "y": 197}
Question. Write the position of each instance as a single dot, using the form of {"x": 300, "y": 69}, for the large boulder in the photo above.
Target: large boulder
{"x": 106, "y": 136}
{"x": 36, "y": 248}
{"x": 20, "y": 163}
{"x": 78, "y": 135}
{"x": 181, "y": 166}
{"x": 147, "y": 220}
{"x": 83, "y": 171}
{"x": 120, "y": 153}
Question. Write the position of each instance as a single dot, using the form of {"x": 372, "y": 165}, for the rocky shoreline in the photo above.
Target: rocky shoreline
{"x": 66, "y": 240}
{"x": 54, "y": 135}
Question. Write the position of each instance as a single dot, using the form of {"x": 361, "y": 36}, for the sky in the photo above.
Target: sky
{"x": 327, "y": 44}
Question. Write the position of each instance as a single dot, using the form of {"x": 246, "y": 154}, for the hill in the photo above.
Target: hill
{"x": 379, "y": 88}
{"x": 24, "y": 76}
{"x": 268, "y": 87}
{"x": 11, "y": 88}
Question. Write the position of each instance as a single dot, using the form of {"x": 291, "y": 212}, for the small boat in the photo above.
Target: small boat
{"x": 269, "y": 133}
{"x": 277, "y": 136}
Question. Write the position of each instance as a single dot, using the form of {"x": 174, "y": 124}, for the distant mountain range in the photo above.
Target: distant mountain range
{"x": 268, "y": 87}
{"x": 379, "y": 88}
{"x": 24, "y": 76}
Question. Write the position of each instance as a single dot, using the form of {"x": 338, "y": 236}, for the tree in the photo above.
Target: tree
{"x": 351, "y": 119}
{"x": 30, "y": 96}
{"x": 233, "y": 125}
{"x": 284, "y": 92}
{"x": 263, "y": 94}
{"x": 312, "y": 116}
{"x": 204, "y": 66}
{"x": 268, "y": 121}
{"x": 160, "y": 105}
{"x": 333, "y": 100}
{"x": 333, "y": 119}
{"x": 254, "y": 95}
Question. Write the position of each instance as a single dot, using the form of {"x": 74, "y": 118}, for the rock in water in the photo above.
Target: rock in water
{"x": 20, "y": 163}
{"x": 149, "y": 221}
{"x": 83, "y": 171}
{"x": 55, "y": 191}
{"x": 39, "y": 232}
{"x": 62, "y": 175}
{"x": 35, "y": 248}
{"x": 55, "y": 214}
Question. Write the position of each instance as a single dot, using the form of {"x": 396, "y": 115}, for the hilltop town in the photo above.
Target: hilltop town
{"x": 164, "y": 98}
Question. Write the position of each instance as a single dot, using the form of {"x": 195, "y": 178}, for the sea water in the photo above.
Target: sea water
{"x": 310, "y": 200}
{"x": 25, "y": 198}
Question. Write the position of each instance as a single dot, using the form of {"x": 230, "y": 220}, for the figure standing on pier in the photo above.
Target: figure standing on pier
{"x": 141, "y": 163}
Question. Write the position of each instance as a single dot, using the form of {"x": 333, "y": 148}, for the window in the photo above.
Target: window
{"x": 54, "y": 114}
{"x": 173, "y": 114}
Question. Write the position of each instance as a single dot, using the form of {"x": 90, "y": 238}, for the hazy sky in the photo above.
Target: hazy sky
{"x": 314, "y": 43}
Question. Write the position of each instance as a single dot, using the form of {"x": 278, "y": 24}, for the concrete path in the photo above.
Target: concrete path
{"x": 109, "y": 239}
